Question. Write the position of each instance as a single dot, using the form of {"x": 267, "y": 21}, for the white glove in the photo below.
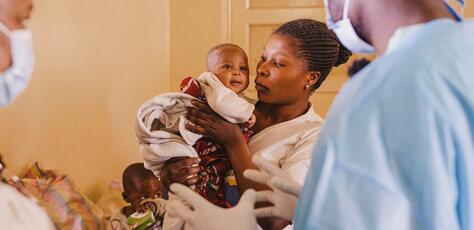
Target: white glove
{"x": 157, "y": 206}
{"x": 203, "y": 215}
{"x": 284, "y": 196}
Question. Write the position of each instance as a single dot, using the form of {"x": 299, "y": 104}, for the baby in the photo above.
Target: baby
{"x": 142, "y": 190}
{"x": 161, "y": 122}
{"x": 229, "y": 63}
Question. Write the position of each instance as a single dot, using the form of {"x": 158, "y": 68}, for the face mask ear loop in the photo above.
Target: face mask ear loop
{"x": 328, "y": 15}
{"x": 346, "y": 10}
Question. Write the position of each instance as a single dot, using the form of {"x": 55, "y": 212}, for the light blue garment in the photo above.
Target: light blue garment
{"x": 397, "y": 151}
{"x": 14, "y": 80}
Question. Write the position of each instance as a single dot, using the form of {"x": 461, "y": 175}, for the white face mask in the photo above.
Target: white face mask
{"x": 15, "y": 79}
{"x": 345, "y": 32}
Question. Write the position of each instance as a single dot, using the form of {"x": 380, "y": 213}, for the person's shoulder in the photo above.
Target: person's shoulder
{"x": 308, "y": 125}
{"x": 309, "y": 122}
{"x": 439, "y": 46}
{"x": 5, "y": 53}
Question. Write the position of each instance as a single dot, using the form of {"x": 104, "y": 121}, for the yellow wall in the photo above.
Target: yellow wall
{"x": 194, "y": 29}
{"x": 469, "y": 11}
{"x": 97, "y": 61}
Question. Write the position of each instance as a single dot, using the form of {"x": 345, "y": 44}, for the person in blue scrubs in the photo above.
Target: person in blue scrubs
{"x": 397, "y": 150}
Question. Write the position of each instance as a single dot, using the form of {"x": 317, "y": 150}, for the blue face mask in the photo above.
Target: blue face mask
{"x": 15, "y": 79}
{"x": 346, "y": 33}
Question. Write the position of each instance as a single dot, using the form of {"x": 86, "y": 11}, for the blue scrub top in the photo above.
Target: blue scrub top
{"x": 397, "y": 150}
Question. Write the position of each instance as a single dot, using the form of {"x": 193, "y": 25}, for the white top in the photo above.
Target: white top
{"x": 172, "y": 139}
{"x": 289, "y": 144}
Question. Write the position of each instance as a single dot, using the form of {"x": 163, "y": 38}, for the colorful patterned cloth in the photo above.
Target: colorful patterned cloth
{"x": 216, "y": 182}
{"x": 65, "y": 205}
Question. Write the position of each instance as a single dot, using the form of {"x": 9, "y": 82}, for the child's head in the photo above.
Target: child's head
{"x": 229, "y": 63}
{"x": 139, "y": 183}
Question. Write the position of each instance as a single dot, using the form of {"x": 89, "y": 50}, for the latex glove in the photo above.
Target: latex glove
{"x": 203, "y": 215}
{"x": 284, "y": 196}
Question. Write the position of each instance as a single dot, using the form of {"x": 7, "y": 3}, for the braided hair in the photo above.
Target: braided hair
{"x": 316, "y": 45}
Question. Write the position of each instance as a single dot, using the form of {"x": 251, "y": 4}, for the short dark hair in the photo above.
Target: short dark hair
{"x": 132, "y": 171}
{"x": 317, "y": 45}
{"x": 222, "y": 46}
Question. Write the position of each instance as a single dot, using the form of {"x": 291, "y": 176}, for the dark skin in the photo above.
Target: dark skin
{"x": 282, "y": 95}
{"x": 141, "y": 189}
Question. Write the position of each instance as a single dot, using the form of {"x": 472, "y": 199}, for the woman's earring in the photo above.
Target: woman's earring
{"x": 306, "y": 87}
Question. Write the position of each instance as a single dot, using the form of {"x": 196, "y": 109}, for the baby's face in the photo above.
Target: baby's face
{"x": 143, "y": 189}
{"x": 230, "y": 65}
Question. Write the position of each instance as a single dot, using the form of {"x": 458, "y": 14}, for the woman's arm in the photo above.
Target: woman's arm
{"x": 212, "y": 125}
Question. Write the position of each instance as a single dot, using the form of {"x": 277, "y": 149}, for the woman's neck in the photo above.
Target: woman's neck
{"x": 270, "y": 114}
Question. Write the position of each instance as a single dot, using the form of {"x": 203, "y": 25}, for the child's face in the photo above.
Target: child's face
{"x": 230, "y": 65}
{"x": 142, "y": 189}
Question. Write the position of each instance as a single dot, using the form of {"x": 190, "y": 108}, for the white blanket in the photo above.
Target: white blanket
{"x": 169, "y": 138}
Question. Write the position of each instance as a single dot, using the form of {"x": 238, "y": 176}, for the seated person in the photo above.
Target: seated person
{"x": 142, "y": 190}
{"x": 291, "y": 68}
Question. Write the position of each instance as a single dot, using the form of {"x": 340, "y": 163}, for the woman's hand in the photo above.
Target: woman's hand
{"x": 208, "y": 123}
{"x": 183, "y": 170}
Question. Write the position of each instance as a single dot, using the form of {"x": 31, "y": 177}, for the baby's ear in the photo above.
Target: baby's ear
{"x": 125, "y": 197}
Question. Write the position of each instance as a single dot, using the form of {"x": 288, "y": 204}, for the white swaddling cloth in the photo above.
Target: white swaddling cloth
{"x": 224, "y": 101}
{"x": 167, "y": 113}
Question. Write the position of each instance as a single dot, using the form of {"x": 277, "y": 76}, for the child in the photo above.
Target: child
{"x": 142, "y": 190}
{"x": 161, "y": 121}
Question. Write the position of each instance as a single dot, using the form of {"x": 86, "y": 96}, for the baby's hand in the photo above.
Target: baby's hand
{"x": 251, "y": 122}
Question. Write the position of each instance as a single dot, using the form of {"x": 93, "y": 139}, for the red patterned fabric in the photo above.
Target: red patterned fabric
{"x": 215, "y": 162}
